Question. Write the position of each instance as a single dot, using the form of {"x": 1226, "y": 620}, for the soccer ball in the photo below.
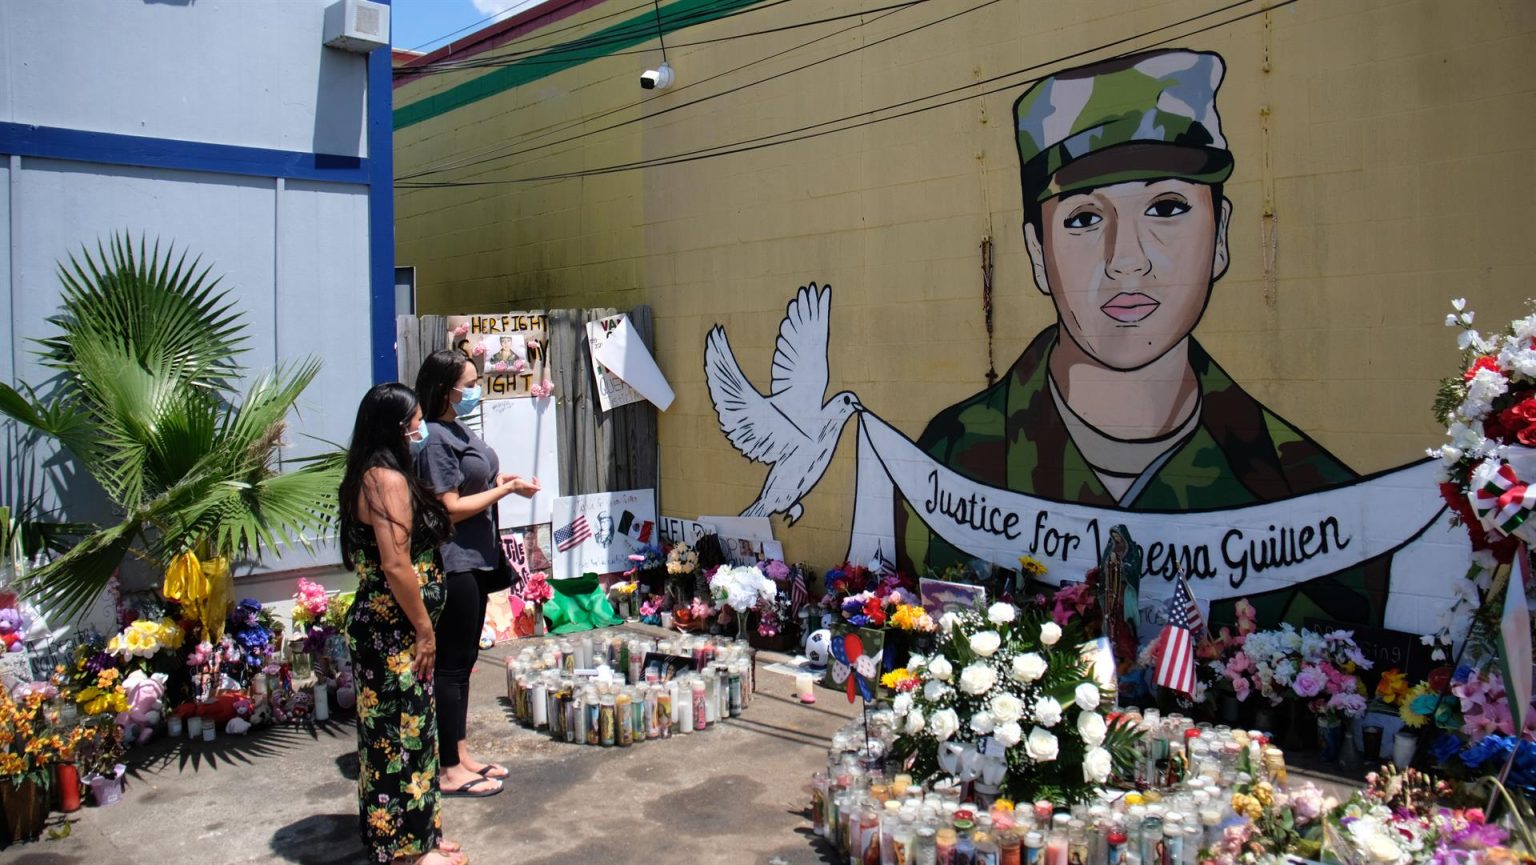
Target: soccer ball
{"x": 818, "y": 648}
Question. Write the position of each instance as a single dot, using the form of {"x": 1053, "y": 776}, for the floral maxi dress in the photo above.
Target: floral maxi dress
{"x": 398, "y": 799}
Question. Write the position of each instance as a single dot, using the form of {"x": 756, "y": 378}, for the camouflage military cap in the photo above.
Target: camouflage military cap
{"x": 1140, "y": 117}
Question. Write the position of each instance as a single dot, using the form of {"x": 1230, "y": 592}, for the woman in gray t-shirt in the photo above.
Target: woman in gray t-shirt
{"x": 463, "y": 471}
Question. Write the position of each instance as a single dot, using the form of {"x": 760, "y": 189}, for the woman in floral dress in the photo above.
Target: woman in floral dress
{"x": 390, "y": 530}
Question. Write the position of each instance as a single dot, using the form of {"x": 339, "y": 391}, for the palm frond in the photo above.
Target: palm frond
{"x": 68, "y": 585}
{"x": 155, "y": 307}
{"x": 61, "y": 419}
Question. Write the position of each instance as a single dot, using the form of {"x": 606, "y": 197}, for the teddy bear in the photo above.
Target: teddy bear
{"x": 10, "y": 629}
{"x": 146, "y": 695}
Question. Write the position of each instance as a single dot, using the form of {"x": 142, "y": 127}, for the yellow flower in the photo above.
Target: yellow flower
{"x": 911, "y": 617}
{"x": 1264, "y": 794}
{"x": 367, "y": 699}
{"x": 383, "y": 605}
{"x": 1032, "y": 566}
{"x": 421, "y": 784}
{"x": 894, "y": 678}
{"x": 1247, "y": 806}
{"x": 410, "y": 726}
{"x": 381, "y": 822}
{"x": 399, "y": 663}
{"x": 171, "y": 635}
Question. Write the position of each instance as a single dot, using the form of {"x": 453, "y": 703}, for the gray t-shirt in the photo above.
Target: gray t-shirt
{"x": 457, "y": 459}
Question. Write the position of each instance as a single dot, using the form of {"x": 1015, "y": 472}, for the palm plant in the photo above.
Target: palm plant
{"x": 145, "y": 402}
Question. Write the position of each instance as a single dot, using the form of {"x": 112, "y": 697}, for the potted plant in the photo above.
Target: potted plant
{"x": 26, "y": 770}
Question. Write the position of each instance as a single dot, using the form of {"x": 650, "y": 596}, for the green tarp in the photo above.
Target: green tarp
{"x": 579, "y": 604}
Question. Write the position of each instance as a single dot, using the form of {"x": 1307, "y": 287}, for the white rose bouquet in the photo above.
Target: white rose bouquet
{"x": 1007, "y": 700}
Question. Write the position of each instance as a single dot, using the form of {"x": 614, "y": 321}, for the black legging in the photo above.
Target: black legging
{"x": 458, "y": 647}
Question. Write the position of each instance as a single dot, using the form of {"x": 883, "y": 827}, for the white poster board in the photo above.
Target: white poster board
{"x": 523, "y": 434}
{"x": 612, "y": 392}
{"x": 624, "y": 354}
{"x": 680, "y": 530}
{"x": 597, "y": 533}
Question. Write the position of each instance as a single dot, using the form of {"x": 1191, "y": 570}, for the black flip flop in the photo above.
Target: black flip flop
{"x": 464, "y": 790}
{"x": 491, "y": 767}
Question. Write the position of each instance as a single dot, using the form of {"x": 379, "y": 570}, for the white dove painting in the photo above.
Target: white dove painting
{"x": 789, "y": 428}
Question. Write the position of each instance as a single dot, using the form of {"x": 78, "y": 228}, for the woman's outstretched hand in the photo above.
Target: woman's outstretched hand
{"x": 525, "y": 487}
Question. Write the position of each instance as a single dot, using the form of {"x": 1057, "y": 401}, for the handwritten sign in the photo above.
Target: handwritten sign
{"x": 510, "y": 350}
{"x": 612, "y": 391}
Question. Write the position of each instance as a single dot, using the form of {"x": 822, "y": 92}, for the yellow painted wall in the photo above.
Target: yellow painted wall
{"x": 1393, "y": 142}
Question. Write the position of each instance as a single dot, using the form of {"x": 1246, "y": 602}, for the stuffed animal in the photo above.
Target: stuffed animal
{"x": 146, "y": 695}
{"x": 346, "y": 690}
{"x": 11, "y": 629}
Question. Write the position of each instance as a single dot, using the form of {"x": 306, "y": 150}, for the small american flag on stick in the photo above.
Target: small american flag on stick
{"x": 1176, "y": 668}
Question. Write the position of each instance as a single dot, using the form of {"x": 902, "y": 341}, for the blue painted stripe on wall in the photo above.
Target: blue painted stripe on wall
{"x": 51, "y": 142}
{"x": 381, "y": 213}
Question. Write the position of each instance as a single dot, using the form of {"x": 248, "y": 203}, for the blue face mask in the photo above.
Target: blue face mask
{"x": 418, "y": 443}
{"x": 469, "y": 400}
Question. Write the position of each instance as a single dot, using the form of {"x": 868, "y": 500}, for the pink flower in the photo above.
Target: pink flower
{"x": 1309, "y": 682}
{"x": 478, "y": 350}
{"x": 1240, "y": 686}
{"x": 536, "y": 588}
{"x": 461, "y": 330}
{"x": 518, "y": 365}
{"x": 1240, "y": 663}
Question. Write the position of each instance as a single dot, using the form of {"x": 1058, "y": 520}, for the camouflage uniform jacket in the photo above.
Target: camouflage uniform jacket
{"x": 1011, "y": 436}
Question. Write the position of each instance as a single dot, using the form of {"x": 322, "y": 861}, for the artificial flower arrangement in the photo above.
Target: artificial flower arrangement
{"x": 1317, "y": 668}
{"x": 24, "y": 753}
{"x": 682, "y": 564}
{"x": 145, "y": 640}
{"x": 317, "y": 616}
{"x": 778, "y": 614}
{"x": 743, "y": 590}
{"x": 1007, "y": 700}
{"x": 1397, "y": 819}
{"x": 92, "y": 680}
{"x": 1278, "y": 821}
{"x": 865, "y": 598}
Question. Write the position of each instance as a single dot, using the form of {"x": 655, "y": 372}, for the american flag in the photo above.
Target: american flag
{"x": 799, "y": 594}
{"x": 572, "y": 534}
{"x": 1191, "y": 609}
{"x": 1176, "y": 668}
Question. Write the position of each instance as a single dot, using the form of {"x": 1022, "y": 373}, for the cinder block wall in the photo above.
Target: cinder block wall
{"x": 1390, "y": 144}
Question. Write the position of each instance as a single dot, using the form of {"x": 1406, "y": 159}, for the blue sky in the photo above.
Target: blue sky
{"x": 423, "y": 24}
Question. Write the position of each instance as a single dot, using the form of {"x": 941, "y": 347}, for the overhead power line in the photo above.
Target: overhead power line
{"x": 503, "y": 151}
{"x": 761, "y": 142}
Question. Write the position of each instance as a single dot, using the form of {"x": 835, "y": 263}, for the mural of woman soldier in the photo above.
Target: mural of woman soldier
{"x": 1116, "y": 404}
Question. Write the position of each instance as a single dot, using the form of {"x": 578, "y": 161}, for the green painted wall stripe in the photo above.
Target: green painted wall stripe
{"x": 626, "y": 34}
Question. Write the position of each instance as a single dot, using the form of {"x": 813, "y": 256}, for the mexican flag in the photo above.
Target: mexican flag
{"x": 1515, "y": 640}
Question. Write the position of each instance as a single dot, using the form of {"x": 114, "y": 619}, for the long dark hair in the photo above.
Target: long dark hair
{"x": 435, "y": 381}
{"x": 378, "y": 441}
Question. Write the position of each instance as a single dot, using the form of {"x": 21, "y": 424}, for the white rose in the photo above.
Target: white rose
{"x": 1008, "y": 734}
{"x": 1087, "y": 696}
{"x": 1041, "y": 746}
{"x": 1090, "y": 725}
{"x": 944, "y": 723}
{"x": 983, "y": 722}
{"x": 935, "y": 691}
{"x": 914, "y": 723}
{"x": 940, "y": 668}
{"x": 1028, "y": 667}
{"x": 1007, "y": 707}
{"x": 1050, "y": 632}
{"x": 1000, "y": 613}
{"x": 977, "y": 679}
{"x": 948, "y": 621}
{"x": 915, "y": 662}
{"x": 902, "y": 704}
{"x": 1047, "y": 711}
{"x": 1096, "y": 766}
{"x": 985, "y": 643}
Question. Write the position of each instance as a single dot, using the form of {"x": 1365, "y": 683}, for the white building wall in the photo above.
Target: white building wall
{"x": 245, "y": 72}
{"x": 293, "y": 251}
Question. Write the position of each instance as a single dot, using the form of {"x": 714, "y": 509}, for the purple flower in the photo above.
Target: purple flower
{"x": 1309, "y": 682}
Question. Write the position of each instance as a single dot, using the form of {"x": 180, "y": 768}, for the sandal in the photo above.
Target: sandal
{"x": 466, "y": 790}
{"x": 490, "y": 771}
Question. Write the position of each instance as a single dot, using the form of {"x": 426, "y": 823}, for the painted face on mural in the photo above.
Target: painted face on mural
{"x": 1130, "y": 266}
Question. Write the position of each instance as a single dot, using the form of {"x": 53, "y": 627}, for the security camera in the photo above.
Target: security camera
{"x": 659, "y": 78}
